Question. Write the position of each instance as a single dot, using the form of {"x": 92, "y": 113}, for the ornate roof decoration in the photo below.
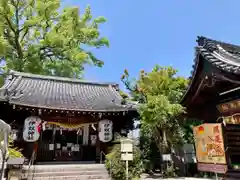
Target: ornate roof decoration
{"x": 223, "y": 56}
{"x": 59, "y": 93}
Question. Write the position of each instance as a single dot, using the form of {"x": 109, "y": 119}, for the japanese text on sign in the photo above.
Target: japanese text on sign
{"x": 209, "y": 143}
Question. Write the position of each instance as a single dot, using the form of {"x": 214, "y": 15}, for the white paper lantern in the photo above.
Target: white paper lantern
{"x": 105, "y": 130}
{"x": 31, "y": 131}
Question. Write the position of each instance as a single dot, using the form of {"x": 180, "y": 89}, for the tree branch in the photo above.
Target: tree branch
{"x": 16, "y": 32}
{"x": 135, "y": 90}
{"x": 47, "y": 23}
{"x": 9, "y": 38}
{"x": 25, "y": 33}
{"x": 9, "y": 23}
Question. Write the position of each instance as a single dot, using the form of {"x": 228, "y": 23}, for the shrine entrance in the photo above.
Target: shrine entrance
{"x": 62, "y": 144}
{"x": 68, "y": 145}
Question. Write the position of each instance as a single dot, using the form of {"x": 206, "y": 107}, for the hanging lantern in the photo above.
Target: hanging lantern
{"x": 32, "y": 128}
{"x": 105, "y": 130}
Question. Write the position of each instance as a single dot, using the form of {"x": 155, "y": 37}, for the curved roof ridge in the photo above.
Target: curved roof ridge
{"x": 221, "y": 55}
{"x": 227, "y": 46}
{"x": 58, "y": 78}
{"x": 225, "y": 54}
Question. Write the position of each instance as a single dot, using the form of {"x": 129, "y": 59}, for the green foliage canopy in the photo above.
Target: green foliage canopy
{"x": 36, "y": 37}
{"x": 160, "y": 92}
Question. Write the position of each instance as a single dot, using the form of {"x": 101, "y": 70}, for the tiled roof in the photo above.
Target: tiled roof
{"x": 61, "y": 93}
{"x": 223, "y": 56}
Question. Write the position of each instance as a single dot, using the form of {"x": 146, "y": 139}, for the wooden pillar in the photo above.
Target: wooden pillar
{"x": 53, "y": 141}
{"x": 98, "y": 150}
{"x": 53, "y": 134}
{"x": 98, "y": 146}
{"x": 85, "y": 134}
{"x": 38, "y": 147}
{"x": 35, "y": 147}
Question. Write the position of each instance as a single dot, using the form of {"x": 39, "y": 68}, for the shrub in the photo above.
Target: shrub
{"x": 13, "y": 151}
{"x": 117, "y": 168}
{"x": 150, "y": 154}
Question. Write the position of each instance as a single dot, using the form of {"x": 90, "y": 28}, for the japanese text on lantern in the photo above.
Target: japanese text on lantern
{"x": 106, "y": 132}
{"x": 31, "y": 129}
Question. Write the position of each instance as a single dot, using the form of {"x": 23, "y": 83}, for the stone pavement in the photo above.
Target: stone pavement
{"x": 155, "y": 177}
{"x": 178, "y": 179}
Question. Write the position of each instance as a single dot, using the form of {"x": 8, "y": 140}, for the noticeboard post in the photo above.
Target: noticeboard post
{"x": 127, "y": 152}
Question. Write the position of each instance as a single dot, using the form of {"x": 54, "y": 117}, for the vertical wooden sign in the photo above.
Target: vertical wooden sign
{"x": 209, "y": 145}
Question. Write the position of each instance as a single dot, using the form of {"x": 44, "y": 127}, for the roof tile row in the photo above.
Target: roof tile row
{"x": 61, "y": 93}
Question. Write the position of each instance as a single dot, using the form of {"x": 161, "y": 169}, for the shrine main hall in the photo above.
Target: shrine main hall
{"x": 63, "y": 119}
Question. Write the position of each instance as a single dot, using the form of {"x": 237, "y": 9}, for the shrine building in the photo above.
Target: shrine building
{"x": 213, "y": 96}
{"x": 63, "y": 119}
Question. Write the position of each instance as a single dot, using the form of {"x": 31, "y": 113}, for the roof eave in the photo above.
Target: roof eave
{"x": 120, "y": 109}
{"x": 192, "y": 77}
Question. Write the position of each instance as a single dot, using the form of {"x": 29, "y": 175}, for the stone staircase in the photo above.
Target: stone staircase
{"x": 68, "y": 172}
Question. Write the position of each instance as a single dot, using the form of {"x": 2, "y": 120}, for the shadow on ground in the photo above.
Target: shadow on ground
{"x": 152, "y": 176}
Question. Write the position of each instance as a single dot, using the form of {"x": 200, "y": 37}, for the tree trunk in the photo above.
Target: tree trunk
{"x": 164, "y": 138}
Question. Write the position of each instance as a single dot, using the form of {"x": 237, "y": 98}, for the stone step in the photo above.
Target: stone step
{"x": 69, "y": 178}
{"x": 69, "y": 173}
{"x": 65, "y": 162}
{"x": 57, "y": 168}
{"x": 63, "y": 166}
{"x": 65, "y": 170}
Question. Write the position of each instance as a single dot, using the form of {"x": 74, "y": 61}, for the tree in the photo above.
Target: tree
{"x": 159, "y": 92}
{"x": 36, "y": 37}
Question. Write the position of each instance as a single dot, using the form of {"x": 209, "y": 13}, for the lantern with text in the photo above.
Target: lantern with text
{"x": 31, "y": 132}
{"x": 105, "y": 130}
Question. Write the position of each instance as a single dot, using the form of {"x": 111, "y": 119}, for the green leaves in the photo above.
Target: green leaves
{"x": 13, "y": 151}
{"x": 36, "y": 37}
{"x": 116, "y": 166}
{"x": 160, "y": 92}
{"x": 99, "y": 19}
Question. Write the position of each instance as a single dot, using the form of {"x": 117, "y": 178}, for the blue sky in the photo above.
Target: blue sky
{"x": 144, "y": 33}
